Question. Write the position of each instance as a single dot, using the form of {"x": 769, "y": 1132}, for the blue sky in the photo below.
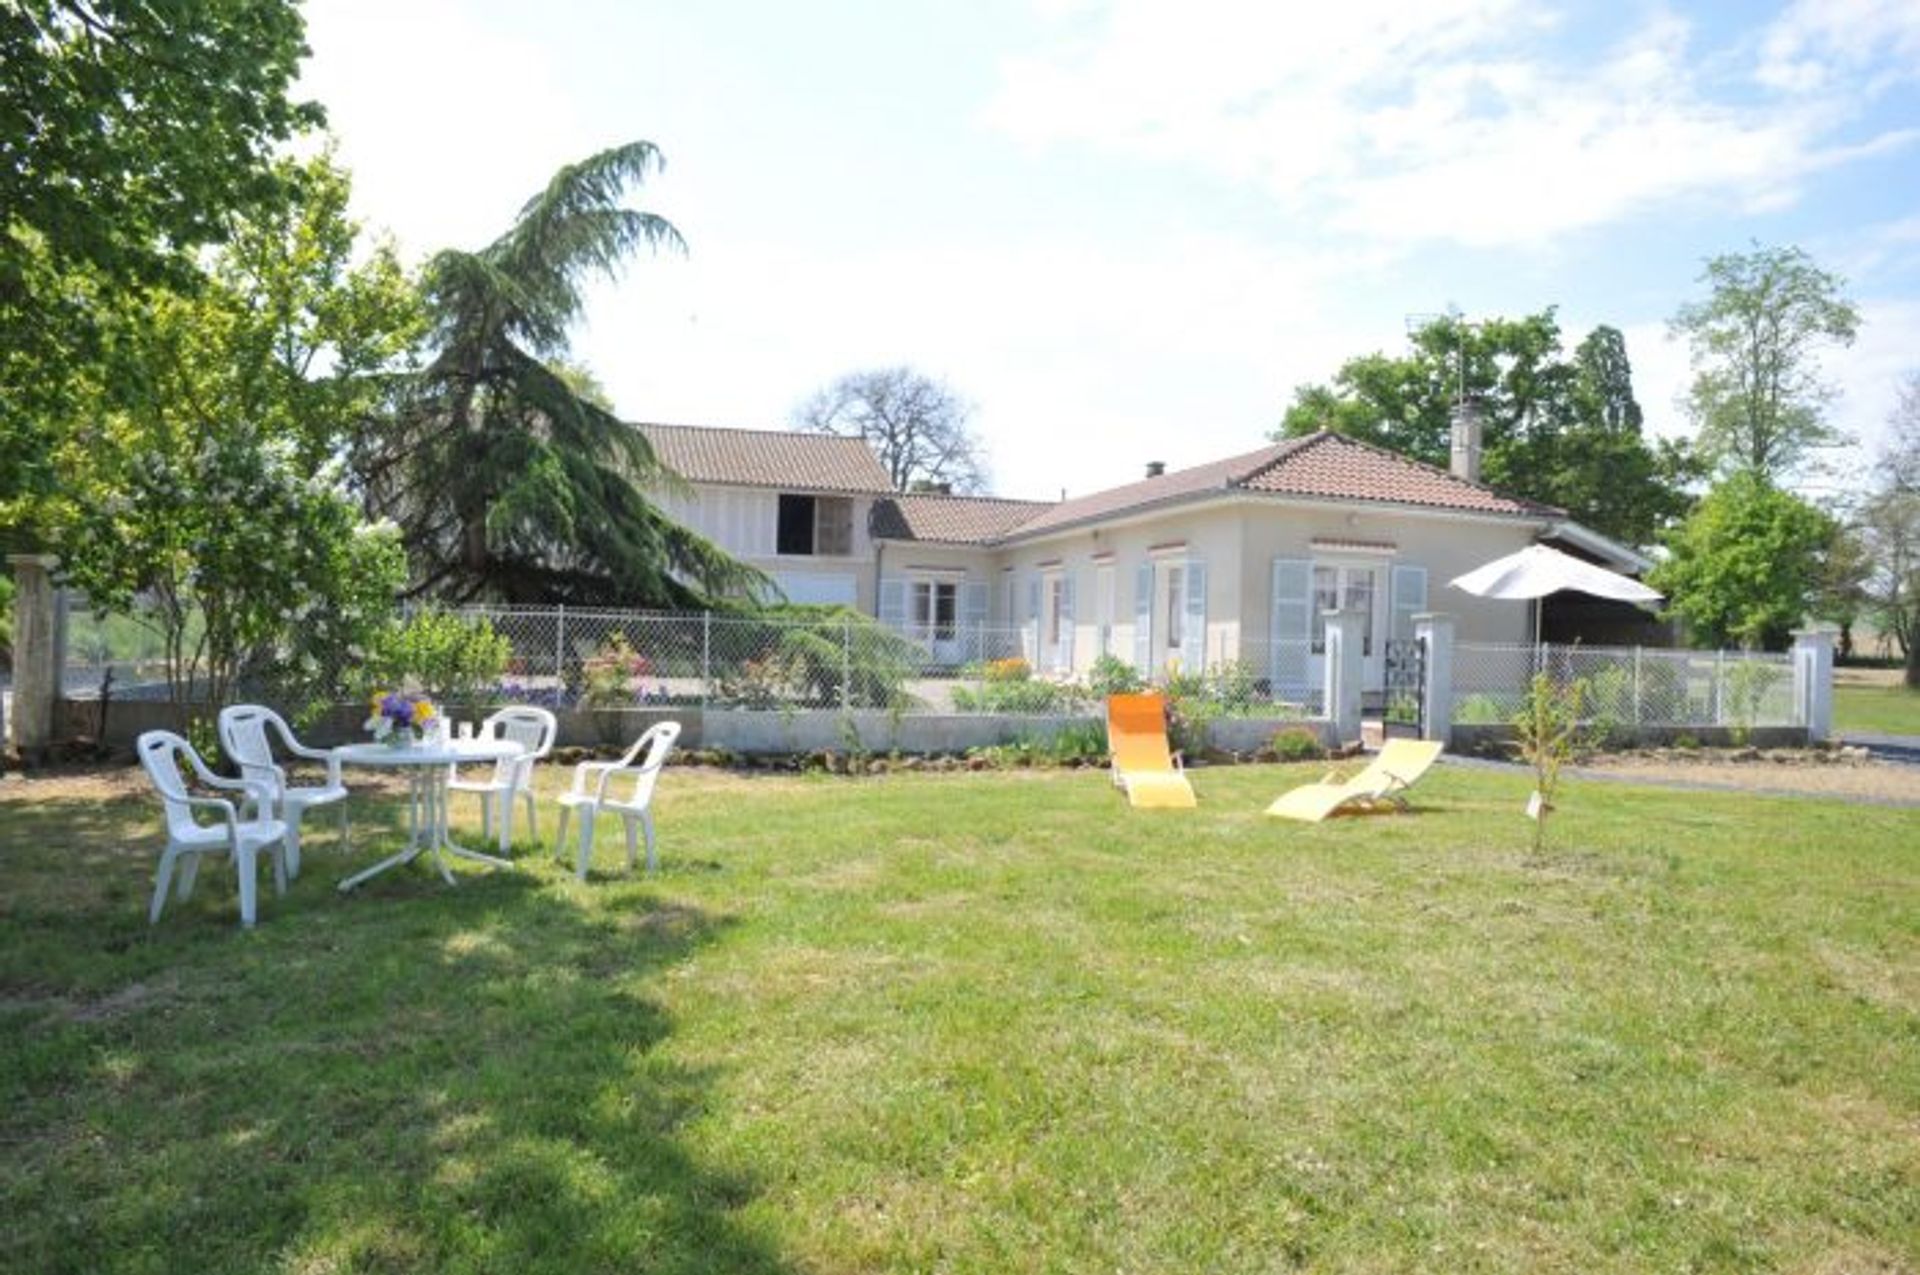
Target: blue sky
{"x": 1127, "y": 230}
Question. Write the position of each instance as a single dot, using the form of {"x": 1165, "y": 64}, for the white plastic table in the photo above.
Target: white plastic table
{"x": 428, "y": 767}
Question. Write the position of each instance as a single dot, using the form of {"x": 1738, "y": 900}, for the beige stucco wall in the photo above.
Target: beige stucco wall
{"x": 1446, "y": 546}
{"x": 1209, "y": 536}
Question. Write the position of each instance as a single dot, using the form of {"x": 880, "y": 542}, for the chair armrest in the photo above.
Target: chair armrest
{"x": 227, "y": 813}
{"x": 325, "y": 755}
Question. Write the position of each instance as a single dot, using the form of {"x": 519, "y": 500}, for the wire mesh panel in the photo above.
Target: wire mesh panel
{"x": 1625, "y": 687}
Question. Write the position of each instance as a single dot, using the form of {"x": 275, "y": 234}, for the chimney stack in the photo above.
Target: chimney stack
{"x": 1155, "y": 468}
{"x": 1466, "y": 439}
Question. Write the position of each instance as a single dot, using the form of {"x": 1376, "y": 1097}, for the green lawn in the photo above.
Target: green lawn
{"x": 986, "y": 1024}
{"x": 1888, "y": 710}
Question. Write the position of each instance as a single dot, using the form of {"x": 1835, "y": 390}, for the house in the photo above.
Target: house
{"x": 1234, "y": 560}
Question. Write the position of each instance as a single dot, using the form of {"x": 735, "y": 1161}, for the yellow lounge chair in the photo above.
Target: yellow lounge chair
{"x": 1142, "y": 762}
{"x": 1398, "y": 767}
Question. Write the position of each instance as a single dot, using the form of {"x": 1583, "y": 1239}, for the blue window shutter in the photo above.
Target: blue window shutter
{"x": 1143, "y": 619}
{"x": 893, "y": 603}
{"x": 1195, "y": 646}
{"x": 1032, "y": 638}
{"x": 1291, "y": 627}
{"x": 1064, "y": 660}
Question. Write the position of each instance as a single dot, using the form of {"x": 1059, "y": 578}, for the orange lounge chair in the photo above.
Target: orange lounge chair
{"x": 1143, "y": 764}
{"x": 1398, "y": 767}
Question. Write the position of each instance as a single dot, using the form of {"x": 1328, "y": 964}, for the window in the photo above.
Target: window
{"x": 1176, "y": 607}
{"x": 1056, "y": 609}
{"x": 1335, "y": 588}
{"x": 935, "y": 608}
{"x": 1103, "y": 607}
{"x": 812, "y": 526}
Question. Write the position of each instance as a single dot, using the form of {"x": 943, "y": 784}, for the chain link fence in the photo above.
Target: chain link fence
{"x": 1629, "y": 686}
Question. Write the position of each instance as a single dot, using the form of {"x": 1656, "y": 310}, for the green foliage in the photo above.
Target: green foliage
{"x": 1550, "y": 729}
{"x": 6, "y": 618}
{"x": 453, "y": 659}
{"x": 1074, "y": 744}
{"x": 1479, "y": 710}
{"x": 1757, "y": 394}
{"x": 509, "y": 479}
{"x": 1746, "y": 565}
{"x": 1559, "y": 429}
{"x": 1298, "y": 743}
{"x": 1111, "y": 675}
{"x": 1610, "y": 707}
{"x": 199, "y": 487}
{"x": 1747, "y": 683}
{"x": 1026, "y": 695}
{"x": 131, "y": 135}
{"x": 609, "y": 675}
{"x": 823, "y": 656}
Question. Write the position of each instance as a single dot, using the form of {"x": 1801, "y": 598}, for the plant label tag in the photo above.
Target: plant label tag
{"x": 1535, "y": 806}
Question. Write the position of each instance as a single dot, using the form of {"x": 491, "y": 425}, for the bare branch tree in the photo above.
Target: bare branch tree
{"x": 916, "y": 425}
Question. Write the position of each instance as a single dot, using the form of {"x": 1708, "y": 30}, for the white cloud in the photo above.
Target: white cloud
{"x": 1818, "y": 42}
{"x": 1437, "y": 121}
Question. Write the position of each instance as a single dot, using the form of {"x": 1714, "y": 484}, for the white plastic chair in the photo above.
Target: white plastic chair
{"x": 589, "y": 795}
{"x": 534, "y": 730}
{"x": 243, "y": 733}
{"x": 188, "y": 840}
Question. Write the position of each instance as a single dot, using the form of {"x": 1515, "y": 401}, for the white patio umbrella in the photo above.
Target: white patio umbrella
{"x": 1536, "y": 571}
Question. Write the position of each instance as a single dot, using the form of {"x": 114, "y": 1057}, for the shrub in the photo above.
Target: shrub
{"x": 1746, "y": 684}
{"x": 1478, "y": 710}
{"x": 1030, "y": 696}
{"x": 1298, "y": 743}
{"x": 1235, "y": 685}
{"x": 452, "y": 658}
{"x": 1012, "y": 669}
{"x": 608, "y": 676}
{"x": 1549, "y": 727}
{"x": 1111, "y": 675}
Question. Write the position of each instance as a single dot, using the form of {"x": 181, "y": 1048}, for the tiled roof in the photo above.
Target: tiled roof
{"x": 767, "y": 458}
{"x": 959, "y": 520}
{"x": 1341, "y": 468}
{"x": 1326, "y": 465}
{"x": 1323, "y": 466}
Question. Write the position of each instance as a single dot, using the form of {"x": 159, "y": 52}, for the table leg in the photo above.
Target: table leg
{"x": 444, "y": 843}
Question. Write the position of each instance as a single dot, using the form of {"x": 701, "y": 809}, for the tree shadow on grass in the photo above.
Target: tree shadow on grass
{"x": 421, "y": 1078}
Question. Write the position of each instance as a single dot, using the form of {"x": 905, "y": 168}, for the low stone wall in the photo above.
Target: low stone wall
{"x": 735, "y": 730}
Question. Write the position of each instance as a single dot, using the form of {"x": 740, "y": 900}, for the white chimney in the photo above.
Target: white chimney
{"x": 1466, "y": 440}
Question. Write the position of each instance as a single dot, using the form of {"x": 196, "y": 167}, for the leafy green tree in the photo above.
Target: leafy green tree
{"x": 131, "y": 133}
{"x": 1562, "y": 430}
{"x": 508, "y": 480}
{"x": 1890, "y": 528}
{"x": 1747, "y": 565}
{"x": 1757, "y": 394}
{"x": 202, "y": 490}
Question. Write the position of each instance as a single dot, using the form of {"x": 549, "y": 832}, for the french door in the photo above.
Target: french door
{"x": 1351, "y": 586}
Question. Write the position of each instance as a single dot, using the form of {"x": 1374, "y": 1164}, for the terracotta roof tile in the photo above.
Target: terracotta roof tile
{"x": 767, "y": 458}
{"x": 960, "y": 520}
{"x": 1341, "y": 468}
{"x": 1218, "y": 475}
{"x": 1326, "y": 465}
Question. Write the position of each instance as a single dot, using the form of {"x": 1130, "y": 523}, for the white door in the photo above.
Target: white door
{"x": 935, "y": 619}
{"x": 1351, "y": 586}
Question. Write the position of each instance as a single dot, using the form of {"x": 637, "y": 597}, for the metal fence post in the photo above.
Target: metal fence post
{"x": 1637, "y": 685}
{"x": 846, "y": 664}
{"x": 706, "y": 656}
{"x": 559, "y": 648}
{"x": 1719, "y": 684}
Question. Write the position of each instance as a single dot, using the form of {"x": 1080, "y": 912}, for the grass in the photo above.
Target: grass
{"x": 1890, "y": 709}
{"x": 986, "y": 1024}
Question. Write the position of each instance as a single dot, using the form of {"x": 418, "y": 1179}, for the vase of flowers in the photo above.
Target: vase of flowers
{"x": 398, "y": 719}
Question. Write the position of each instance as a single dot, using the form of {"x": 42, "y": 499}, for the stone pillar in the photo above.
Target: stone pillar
{"x": 1813, "y": 682}
{"x": 1434, "y": 631}
{"x": 36, "y": 653}
{"x": 1344, "y": 667}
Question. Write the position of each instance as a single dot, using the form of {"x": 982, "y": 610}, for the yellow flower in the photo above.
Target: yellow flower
{"x": 422, "y": 713}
